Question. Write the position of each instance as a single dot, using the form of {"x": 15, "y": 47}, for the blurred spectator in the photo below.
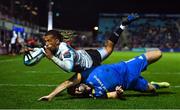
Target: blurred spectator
{"x": 7, "y": 41}
{"x": 1, "y": 44}
{"x": 31, "y": 42}
{"x": 13, "y": 43}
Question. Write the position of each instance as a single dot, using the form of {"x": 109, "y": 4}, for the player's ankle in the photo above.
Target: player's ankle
{"x": 123, "y": 27}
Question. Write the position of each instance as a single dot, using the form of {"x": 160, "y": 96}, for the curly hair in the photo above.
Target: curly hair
{"x": 56, "y": 34}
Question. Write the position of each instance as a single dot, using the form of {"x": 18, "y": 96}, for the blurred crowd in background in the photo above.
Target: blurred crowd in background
{"x": 149, "y": 32}
{"x": 16, "y": 32}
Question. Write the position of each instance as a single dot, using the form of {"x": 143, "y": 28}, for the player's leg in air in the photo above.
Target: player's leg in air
{"x": 110, "y": 43}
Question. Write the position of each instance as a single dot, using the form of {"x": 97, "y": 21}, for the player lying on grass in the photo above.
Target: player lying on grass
{"x": 110, "y": 80}
{"x": 72, "y": 60}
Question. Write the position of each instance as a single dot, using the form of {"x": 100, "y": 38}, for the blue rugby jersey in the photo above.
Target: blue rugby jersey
{"x": 105, "y": 78}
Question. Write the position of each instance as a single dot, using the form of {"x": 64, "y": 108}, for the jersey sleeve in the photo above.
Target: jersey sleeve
{"x": 65, "y": 60}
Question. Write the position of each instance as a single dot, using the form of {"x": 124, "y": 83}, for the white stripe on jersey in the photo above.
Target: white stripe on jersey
{"x": 83, "y": 59}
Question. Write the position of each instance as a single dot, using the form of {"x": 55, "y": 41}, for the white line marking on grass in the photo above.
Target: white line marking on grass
{"x": 29, "y": 85}
{"x": 42, "y": 72}
{"x": 8, "y": 60}
{"x": 166, "y": 73}
{"x": 60, "y": 71}
{"x": 48, "y": 85}
{"x": 48, "y": 72}
{"x": 174, "y": 86}
{"x": 31, "y": 71}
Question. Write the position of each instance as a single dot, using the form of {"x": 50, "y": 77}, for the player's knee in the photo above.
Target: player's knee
{"x": 109, "y": 46}
{"x": 109, "y": 49}
{"x": 153, "y": 56}
{"x": 158, "y": 53}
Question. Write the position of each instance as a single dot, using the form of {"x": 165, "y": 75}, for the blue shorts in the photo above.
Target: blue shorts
{"x": 134, "y": 79}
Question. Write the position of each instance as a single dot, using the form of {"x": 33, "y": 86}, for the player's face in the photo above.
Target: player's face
{"x": 51, "y": 42}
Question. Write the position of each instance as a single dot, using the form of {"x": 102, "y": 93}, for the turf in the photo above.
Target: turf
{"x": 20, "y": 85}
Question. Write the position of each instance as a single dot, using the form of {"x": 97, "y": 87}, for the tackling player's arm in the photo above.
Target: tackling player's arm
{"x": 115, "y": 94}
{"x": 75, "y": 79}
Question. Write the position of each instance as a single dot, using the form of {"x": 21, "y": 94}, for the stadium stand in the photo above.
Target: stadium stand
{"x": 149, "y": 32}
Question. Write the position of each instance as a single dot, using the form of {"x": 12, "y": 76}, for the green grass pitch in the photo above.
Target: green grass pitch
{"x": 21, "y": 86}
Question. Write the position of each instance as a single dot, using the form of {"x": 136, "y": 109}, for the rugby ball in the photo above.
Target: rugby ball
{"x": 33, "y": 57}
